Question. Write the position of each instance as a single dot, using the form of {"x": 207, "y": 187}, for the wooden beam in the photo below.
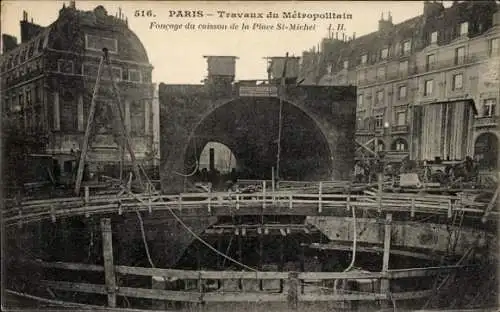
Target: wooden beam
{"x": 88, "y": 129}
{"x": 384, "y": 283}
{"x": 109, "y": 269}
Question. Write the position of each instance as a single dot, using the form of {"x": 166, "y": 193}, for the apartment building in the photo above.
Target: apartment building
{"x": 47, "y": 86}
{"x": 427, "y": 87}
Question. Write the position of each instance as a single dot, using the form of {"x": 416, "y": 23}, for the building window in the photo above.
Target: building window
{"x": 91, "y": 70}
{"x": 401, "y": 118}
{"x": 379, "y": 100}
{"x": 406, "y": 49}
{"x": 21, "y": 101}
{"x": 384, "y": 53}
{"x": 464, "y": 29}
{"x": 434, "y": 37}
{"x": 429, "y": 84}
{"x": 489, "y": 107}
{"x": 379, "y": 121}
{"x": 494, "y": 46}
{"x": 402, "y": 92}
{"x": 381, "y": 73}
{"x": 430, "y": 61}
{"x": 96, "y": 43}
{"x": 346, "y": 64}
{"x": 399, "y": 145}
{"x": 403, "y": 68}
{"x": 459, "y": 55}
{"x": 364, "y": 59}
{"x": 362, "y": 75}
{"x": 457, "y": 81}
{"x": 65, "y": 66}
{"x": 360, "y": 100}
{"x": 134, "y": 75}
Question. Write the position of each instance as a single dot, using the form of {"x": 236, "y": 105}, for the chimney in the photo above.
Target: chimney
{"x": 8, "y": 43}
{"x": 28, "y": 29}
{"x": 277, "y": 66}
{"x": 384, "y": 25}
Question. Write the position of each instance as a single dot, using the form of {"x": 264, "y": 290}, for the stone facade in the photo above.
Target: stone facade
{"x": 48, "y": 81}
{"x": 218, "y": 111}
{"x": 441, "y": 66}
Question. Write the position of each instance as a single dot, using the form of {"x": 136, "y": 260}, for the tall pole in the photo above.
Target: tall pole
{"x": 90, "y": 120}
{"x": 123, "y": 129}
{"x": 280, "y": 123}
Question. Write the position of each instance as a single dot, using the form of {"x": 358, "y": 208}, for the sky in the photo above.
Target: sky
{"x": 177, "y": 54}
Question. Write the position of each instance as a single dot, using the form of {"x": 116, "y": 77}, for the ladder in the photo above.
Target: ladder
{"x": 117, "y": 112}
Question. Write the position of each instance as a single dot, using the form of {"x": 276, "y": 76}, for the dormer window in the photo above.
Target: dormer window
{"x": 384, "y": 53}
{"x": 434, "y": 37}
{"x": 464, "y": 29}
{"x": 364, "y": 59}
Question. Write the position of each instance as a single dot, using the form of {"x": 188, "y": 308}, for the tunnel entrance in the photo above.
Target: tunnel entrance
{"x": 250, "y": 128}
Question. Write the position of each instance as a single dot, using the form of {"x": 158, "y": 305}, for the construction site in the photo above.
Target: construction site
{"x": 298, "y": 222}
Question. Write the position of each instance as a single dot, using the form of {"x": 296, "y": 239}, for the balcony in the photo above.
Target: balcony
{"x": 400, "y": 129}
{"x": 486, "y": 121}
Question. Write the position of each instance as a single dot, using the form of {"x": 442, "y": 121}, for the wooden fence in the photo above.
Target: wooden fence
{"x": 214, "y": 203}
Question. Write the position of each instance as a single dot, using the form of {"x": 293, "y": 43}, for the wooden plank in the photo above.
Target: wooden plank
{"x": 243, "y": 297}
{"x": 339, "y": 275}
{"x": 341, "y": 297}
{"x": 159, "y": 294}
{"x": 419, "y": 272}
{"x": 67, "y": 266}
{"x": 109, "y": 269}
{"x": 77, "y": 287}
{"x": 180, "y": 274}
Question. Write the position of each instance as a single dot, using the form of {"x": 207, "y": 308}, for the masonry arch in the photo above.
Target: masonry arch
{"x": 250, "y": 128}
{"x": 486, "y": 151}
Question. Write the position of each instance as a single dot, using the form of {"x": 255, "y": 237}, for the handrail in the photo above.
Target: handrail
{"x": 30, "y": 211}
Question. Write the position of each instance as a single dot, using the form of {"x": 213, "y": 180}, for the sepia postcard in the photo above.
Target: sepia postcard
{"x": 258, "y": 156}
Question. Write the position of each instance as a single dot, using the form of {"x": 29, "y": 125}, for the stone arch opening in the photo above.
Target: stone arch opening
{"x": 249, "y": 127}
{"x": 486, "y": 151}
{"x": 218, "y": 156}
{"x": 399, "y": 145}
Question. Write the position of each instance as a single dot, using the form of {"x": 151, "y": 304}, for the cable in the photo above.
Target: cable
{"x": 354, "y": 243}
{"x": 143, "y": 234}
{"x": 196, "y": 236}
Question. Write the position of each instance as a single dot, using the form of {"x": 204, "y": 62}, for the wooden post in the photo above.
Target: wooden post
{"x": 109, "y": 269}
{"x": 384, "y": 283}
{"x": 159, "y": 282}
{"x": 264, "y": 194}
{"x": 450, "y": 209}
{"x": 90, "y": 120}
{"x": 293, "y": 291}
{"x": 380, "y": 185}
{"x": 273, "y": 182}
{"x": 412, "y": 211}
{"x": 87, "y": 194}
{"x": 320, "y": 191}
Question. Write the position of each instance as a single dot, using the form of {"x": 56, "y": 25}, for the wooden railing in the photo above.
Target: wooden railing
{"x": 219, "y": 202}
{"x": 291, "y": 287}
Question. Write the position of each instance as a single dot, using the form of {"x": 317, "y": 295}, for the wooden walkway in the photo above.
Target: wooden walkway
{"x": 290, "y": 202}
